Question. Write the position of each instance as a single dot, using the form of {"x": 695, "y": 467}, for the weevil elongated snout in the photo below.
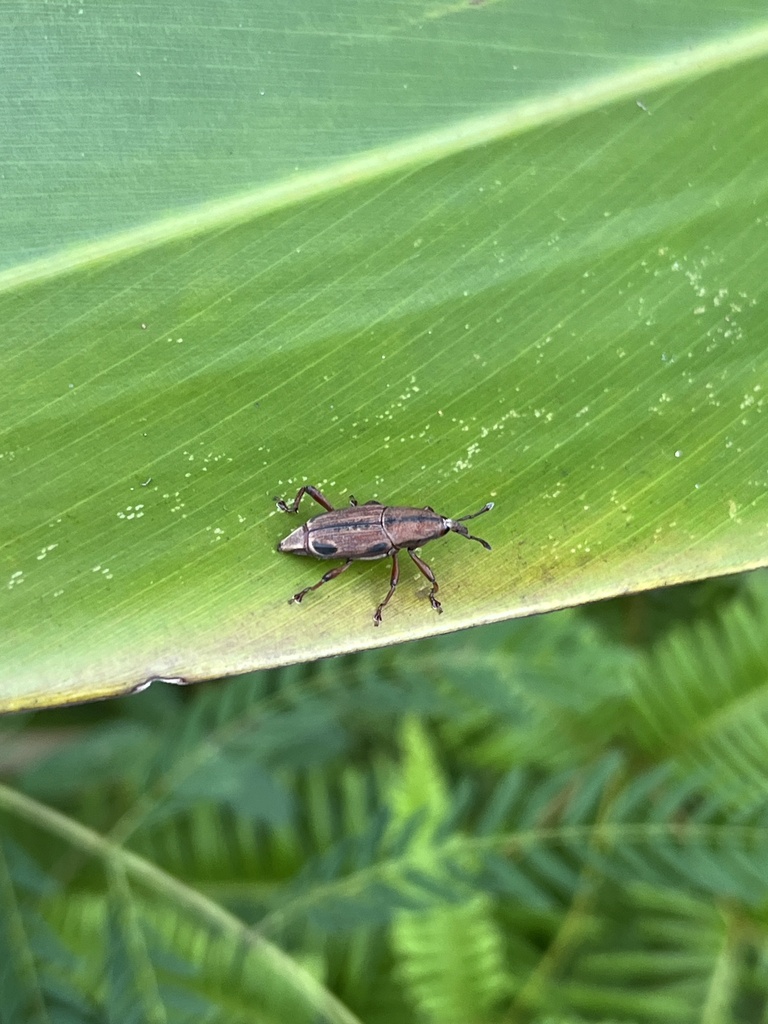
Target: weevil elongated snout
{"x": 362, "y": 533}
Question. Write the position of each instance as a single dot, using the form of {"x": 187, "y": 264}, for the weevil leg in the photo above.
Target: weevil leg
{"x": 330, "y": 575}
{"x": 392, "y": 584}
{"x": 353, "y": 501}
{"x": 423, "y": 567}
{"x": 294, "y": 506}
{"x": 373, "y": 502}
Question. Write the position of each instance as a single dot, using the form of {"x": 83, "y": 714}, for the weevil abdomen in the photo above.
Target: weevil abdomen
{"x": 344, "y": 533}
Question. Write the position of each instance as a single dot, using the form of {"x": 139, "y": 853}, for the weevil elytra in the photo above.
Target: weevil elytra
{"x": 364, "y": 533}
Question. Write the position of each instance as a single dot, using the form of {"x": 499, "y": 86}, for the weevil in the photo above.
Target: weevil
{"x": 364, "y": 533}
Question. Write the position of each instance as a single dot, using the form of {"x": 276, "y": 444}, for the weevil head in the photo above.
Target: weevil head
{"x": 457, "y": 525}
{"x": 295, "y": 543}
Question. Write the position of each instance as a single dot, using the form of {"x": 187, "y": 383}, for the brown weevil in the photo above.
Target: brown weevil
{"x": 363, "y": 533}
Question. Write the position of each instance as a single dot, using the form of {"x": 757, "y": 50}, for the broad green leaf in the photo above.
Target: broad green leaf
{"x": 439, "y": 254}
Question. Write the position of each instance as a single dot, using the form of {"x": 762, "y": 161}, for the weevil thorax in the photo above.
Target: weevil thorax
{"x": 456, "y": 527}
{"x": 412, "y": 527}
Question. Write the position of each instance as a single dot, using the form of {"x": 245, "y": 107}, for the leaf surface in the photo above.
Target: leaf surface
{"x": 435, "y": 255}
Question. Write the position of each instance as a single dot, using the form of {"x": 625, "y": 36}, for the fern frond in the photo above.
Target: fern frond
{"x": 451, "y": 962}
{"x": 701, "y": 697}
{"x": 651, "y": 829}
{"x": 132, "y": 989}
{"x": 21, "y": 989}
{"x": 553, "y": 695}
{"x": 35, "y": 966}
{"x": 663, "y": 955}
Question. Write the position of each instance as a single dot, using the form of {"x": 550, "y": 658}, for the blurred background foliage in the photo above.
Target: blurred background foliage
{"x": 555, "y": 819}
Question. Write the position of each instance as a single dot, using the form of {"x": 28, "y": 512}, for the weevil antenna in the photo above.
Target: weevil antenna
{"x": 479, "y": 540}
{"x": 462, "y": 530}
{"x": 485, "y": 508}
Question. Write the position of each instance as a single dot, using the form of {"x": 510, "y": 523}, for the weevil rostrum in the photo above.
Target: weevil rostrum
{"x": 364, "y": 533}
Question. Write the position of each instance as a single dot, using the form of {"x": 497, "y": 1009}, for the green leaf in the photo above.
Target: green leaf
{"x": 434, "y": 255}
